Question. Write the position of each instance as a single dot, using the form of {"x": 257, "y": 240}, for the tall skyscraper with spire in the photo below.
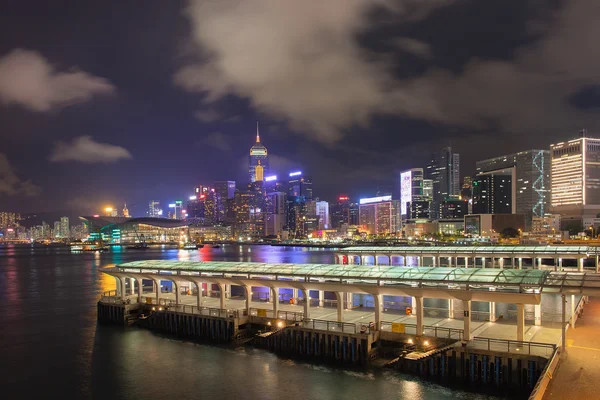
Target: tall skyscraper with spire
{"x": 258, "y": 156}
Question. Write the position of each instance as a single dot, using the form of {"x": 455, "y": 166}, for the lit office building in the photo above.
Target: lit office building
{"x": 380, "y": 215}
{"x": 411, "y": 189}
{"x": 65, "y": 228}
{"x": 492, "y": 194}
{"x": 258, "y": 156}
{"x": 177, "y": 209}
{"x": 444, "y": 170}
{"x": 420, "y": 209}
{"x": 453, "y": 209}
{"x": 428, "y": 189}
{"x": 575, "y": 177}
{"x": 322, "y": 211}
{"x": 154, "y": 210}
{"x": 276, "y": 204}
{"x": 223, "y": 190}
{"x": 299, "y": 185}
{"x": 340, "y": 212}
{"x": 529, "y": 174}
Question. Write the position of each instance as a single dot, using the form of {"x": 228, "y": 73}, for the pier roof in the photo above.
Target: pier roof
{"x": 355, "y": 272}
{"x": 549, "y": 250}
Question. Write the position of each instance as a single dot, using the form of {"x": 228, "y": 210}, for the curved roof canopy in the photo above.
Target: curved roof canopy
{"x": 476, "y": 250}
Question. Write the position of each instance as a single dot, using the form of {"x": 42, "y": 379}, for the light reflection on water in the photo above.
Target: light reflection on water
{"x": 49, "y": 338}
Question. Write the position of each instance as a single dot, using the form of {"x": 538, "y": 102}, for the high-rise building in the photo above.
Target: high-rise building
{"x": 258, "y": 155}
{"x": 56, "y": 231}
{"x": 300, "y": 185}
{"x": 466, "y": 192}
{"x": 453, "y": 208}
{"x": 65, "y": 229}
{"x": 492, "y": 194}
{"x": 411, "y": 189}
{"x": 125, "y": 211}
{"x": 339, "y": 212}
{"x": 276, "y": 204}
{"x": 575, "y": 182}
{"x": 419, "y": 209}
{"x": 428, "y": 189}
{"x": 177, "y": 208}
{"x": 529, "y": 173}
{"x": 224, "y": 191}
{"x": 322, "y": 211}
{"x": 444, "y": 170}
{"x": 154, "y": 209}
{"x": 380, "y": 215}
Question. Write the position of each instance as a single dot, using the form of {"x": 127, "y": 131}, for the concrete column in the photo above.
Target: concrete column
{"x": 537, "y": 314}
{"x": 347, "y": 300}
{"x": 560, "y": 264}
{"x": 433, "y": 261}
{"x": 378, "y": 310}
{"x": 419, "y": 301}
{"x": 580, "y": 264}
{"x": 419, "y": 261}
{"x": 198, "y": 294}
{"x": 474, "y": 262}
{"x": 176, "y": 291}
{"x": 305, "y": 294}
{"x": 227, "y": 291}
{"x": 248, "y": 292}
{"x": 275, "y": 297}
{"x": 321, "y": 297}
{"x": 539, "y": 263}
{"x": 482, "y": 262}
{"x": 221, "y": 296}
{"x": 466, "y": 262}
{"x": 122, "y": 285}
{"x": 413, "y": 304}
{"x": 375, "y": 261}
{"x": 467, "y": 320}
{"x": 132, "y": 286}
{"x": 139, "y": 293}
{"x": 492, "y": 311}
{"x": 340, "y": 308}
{"x": 512, "y": 263}
{"x": 501, "y": 263}
{"x": 451, "y": 308}
{"x": 118, "y": 286}
{"x": 208, "y": 289}
{"x": 573, "y": 311}
{"x": 157, "y": 285}
{"x": 520, "y": 322}
{"x": 597, "y": 265}
{"x": 295, "y": 295}
{"x": 450, "y": 259}
{"x": 520, "y": 263}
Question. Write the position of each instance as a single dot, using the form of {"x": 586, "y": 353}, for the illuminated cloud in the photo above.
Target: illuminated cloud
{"x": 84, "y": 149}
{"x": 207, "y": 115}
{"x": 216, "y": 140}
{"x": 295, "y": 60}
{"x": 29, "y": 80}
{"x": 11, "y": 185}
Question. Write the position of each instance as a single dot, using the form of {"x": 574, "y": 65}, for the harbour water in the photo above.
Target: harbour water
{"x": 52, "y": 347}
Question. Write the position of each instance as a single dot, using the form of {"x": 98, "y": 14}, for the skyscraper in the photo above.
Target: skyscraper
{"x": 529, "y": 173}
{"x": 492, "y": 194}
{"x": 224, "y": 190}
{"x": 258, "y": 155}
{"x": 300, "y": 185}
{"x": 444, "y": 170}
{"x": 276, "y": 204}
{"x": 575, "y": 182}
{"x": 154, "y": 209}
{"x": 380, "y": 215}
{"x": 411, "y": 189}
{"x": 65, "y": 229}
{"x": 322, "y": 211}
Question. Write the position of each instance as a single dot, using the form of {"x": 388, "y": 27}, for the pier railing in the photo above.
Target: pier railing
{"x": 206, "y": 311}
{"x": 344, "y": 327}
{"x": 284, "y": 315}
{"x": 513, "y": 346}
{"x": 434, "y": 331}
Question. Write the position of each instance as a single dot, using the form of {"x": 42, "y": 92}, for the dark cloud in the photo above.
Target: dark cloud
{"x": 216, "y": 140}
{"x": 84, "y": 149}
{"x": 11, "y": 184}
{"x": 28, "y": 79}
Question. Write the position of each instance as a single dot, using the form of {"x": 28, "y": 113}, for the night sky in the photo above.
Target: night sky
{"x": 112, "y": 102}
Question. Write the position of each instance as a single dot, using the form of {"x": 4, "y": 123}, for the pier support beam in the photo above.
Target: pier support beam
{"x": 139, "y": 293}
{"x": 122, "y": 286}
{"x": 501, "y": 262}
{"x": 467, "y": 320}
{"x": 347, "y": 301}
{"x": 520, "y": 263}
{"x": 221, "y": 296}
{"x": 295, "y": 295}
{"x": 340, "y": 307}
{"x": 580, "y": 264}
{"x": 198, "y": 294}
{"x": 275, "y": 298}
{"x": 157, "y": 286}
{"x": 492, "y": 311}
{"x": 306, "y": 295}
{"x": 419, "y": 301}
{"x": 451, "y": 308}
{"x": 560, "y": 264}
{"x": 378, "y": 310}
{"x": 176, "y": 290}
{"x": 248, "y": 293}
{"x": 321, "y": 297}
{"x": 466, "y": 262}
{"x": 537, "y": 314}
{"x": 520, "y": 322}
{"x": 597, "y": 266}
{"x": 573, "y": 311}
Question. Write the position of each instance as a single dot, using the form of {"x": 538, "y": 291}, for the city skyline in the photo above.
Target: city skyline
{"x": 166, "y": 124}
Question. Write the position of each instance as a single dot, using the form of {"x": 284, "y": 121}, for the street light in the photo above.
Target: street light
{"x": 592, "y": 229}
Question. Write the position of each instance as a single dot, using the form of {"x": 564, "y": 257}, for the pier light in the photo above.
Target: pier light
{"x": 279, "y": 324}
{"x": 409, "y": 341}
{"x": 426, "y": 343}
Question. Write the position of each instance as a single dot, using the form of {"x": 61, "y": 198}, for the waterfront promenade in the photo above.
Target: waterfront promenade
{"x": 578, "y": 374}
